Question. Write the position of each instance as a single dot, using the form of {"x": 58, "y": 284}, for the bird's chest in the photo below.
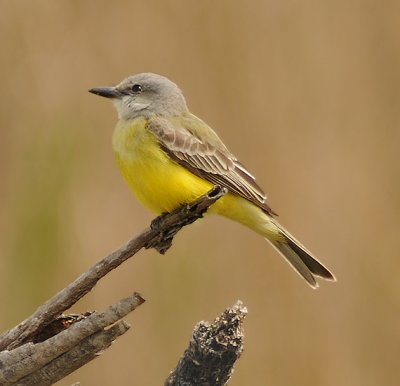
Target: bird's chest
{"x": 157, "y": 181}
{"x": 137, "y": 152}
{"x": 132, "y": 141}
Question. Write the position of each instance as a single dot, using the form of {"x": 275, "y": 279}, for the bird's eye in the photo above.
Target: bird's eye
{"x": 136, "y": 88}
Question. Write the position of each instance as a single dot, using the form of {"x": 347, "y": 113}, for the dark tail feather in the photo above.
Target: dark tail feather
{"x": 312, "y": 263}
{"x": 301, "y": 259}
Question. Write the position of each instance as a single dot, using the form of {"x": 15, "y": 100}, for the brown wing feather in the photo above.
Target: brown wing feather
{"x": 213, "y": 163}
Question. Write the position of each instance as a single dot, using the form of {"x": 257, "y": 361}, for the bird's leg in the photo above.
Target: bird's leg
{"x": 167, "y": 225}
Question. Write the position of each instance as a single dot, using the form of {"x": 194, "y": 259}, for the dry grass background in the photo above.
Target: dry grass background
{"x": 315, "y": 88}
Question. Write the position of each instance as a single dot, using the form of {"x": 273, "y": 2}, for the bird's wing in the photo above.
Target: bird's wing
{"x": 207, "y": 158}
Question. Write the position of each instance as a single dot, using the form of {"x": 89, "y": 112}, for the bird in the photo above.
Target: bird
{"x": 169, "y": 157}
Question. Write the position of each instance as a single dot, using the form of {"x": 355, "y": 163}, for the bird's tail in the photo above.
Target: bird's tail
{"x": 304, "y": 263}
{"x": 248, "y": 214}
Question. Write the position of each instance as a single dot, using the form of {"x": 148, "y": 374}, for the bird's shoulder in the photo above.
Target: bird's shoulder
{"x": 189, "y": 129}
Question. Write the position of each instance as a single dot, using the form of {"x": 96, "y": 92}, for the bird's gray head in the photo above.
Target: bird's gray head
{"x": 145, "y": 95}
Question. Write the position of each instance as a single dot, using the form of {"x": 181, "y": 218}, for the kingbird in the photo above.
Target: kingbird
{"x": 170, "y": 157}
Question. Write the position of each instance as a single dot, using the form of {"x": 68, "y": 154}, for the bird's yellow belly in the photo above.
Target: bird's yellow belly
{"x": 162, "y": 185}
{"x": 158, "y": 182}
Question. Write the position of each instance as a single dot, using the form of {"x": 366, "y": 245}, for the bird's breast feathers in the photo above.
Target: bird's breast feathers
{"x": 158, "y": 182}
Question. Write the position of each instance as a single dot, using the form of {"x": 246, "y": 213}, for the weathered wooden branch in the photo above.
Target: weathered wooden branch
{"x": 158, "y": 236}
{"x": 46, "y": 362}
{"x": 212, "y": 351}
{"x": 47, "y": 346}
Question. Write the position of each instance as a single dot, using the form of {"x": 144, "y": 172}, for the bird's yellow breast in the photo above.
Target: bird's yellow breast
{"x": 162, "y": 185}
{"x": 158, "y": 182}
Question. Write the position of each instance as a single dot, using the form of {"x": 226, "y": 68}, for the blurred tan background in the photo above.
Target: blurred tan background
{"x": 315, "y": 87}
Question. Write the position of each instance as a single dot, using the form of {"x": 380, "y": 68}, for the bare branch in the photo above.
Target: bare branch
{"x": 46, "y": 362}
{"x": 158, "y": 236}
{"x": 212, "y": 351}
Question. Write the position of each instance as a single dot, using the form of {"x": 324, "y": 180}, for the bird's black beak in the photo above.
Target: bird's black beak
{"x": 107, "y": 92}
